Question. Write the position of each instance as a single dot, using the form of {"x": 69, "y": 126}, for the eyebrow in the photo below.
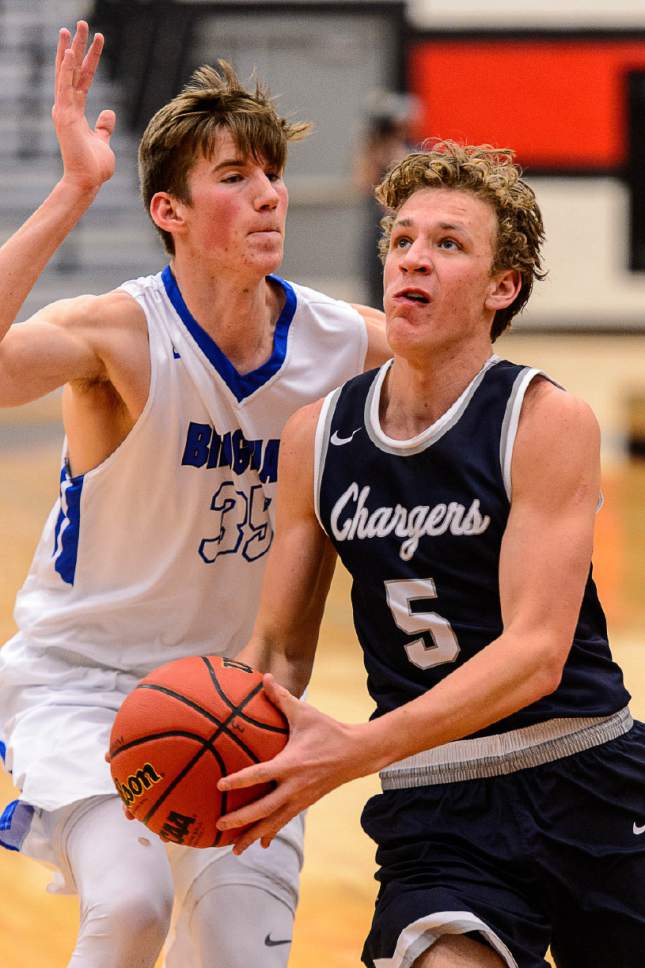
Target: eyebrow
{"x": 445, "y": 226}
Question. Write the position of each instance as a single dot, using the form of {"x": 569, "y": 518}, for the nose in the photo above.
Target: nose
{"x": 417, "y": 258}
{"x": 266, "y": 195}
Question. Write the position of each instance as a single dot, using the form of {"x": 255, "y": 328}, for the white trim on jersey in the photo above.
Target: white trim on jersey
{"x": 511, "y": 422}
{"x": 432, "y": 433}
{"x": 423, "y": 933}
{"x": 321, "y": 444}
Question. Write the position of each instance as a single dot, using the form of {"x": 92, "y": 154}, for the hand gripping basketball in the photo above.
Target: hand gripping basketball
{"x": 186, "y": 725}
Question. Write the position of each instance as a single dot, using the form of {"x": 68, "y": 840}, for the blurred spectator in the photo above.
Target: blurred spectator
{"x": 385, "y": 140}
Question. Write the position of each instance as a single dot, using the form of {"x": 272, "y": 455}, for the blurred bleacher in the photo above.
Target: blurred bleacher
{"x": 115, "y": 240}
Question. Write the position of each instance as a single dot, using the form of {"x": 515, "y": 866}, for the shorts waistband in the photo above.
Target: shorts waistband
{"x": 503, "y": 753}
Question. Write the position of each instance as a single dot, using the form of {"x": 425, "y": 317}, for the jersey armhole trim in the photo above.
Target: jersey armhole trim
{"x": 511, "y": 421}
{"x": 321, "y": 444}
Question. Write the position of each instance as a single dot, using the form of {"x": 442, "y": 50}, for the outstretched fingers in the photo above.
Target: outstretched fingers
{"x": 90, "y": 63}
{"x": 75, "y": 69}
{"x": 64, "y": 38}
{"x": 79, "y": 41}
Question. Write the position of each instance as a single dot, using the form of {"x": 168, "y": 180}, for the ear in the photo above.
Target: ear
{"x": 503, "y": 289}
{"x": 167, "y": 212}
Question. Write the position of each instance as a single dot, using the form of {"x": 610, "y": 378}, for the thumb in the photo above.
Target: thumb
{"x": 105, "y": 124}
{"x": 280, "y": 697}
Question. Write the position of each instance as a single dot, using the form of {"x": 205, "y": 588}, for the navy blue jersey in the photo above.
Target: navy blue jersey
{"x": 419, "y": 525}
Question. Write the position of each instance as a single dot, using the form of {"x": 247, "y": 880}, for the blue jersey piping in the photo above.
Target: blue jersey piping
{"x": 68, "y": 525}
{"x": 240, "y": 385}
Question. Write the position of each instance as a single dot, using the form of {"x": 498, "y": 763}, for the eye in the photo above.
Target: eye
{"x": 274, "y": 176}
{"x": 401, "y": 242}
{"x": 450, "y": 244}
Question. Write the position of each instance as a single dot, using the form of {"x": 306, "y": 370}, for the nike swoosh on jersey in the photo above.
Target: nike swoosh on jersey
{"x": 270, "y": 943}
{"x": 638, "y": 830}
{"x": 339, "y": 441}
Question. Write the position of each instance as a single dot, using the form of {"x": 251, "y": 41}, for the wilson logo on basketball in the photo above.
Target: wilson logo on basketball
{"x": 137, "y": 784}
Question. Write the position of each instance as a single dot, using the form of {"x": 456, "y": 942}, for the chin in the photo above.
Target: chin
{"x": 268, "y": 260}
{"x": 402, "y": 329}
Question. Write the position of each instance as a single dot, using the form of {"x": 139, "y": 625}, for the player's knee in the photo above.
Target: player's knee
{"x": 135, "y": 927}
{"x": 457, "y": 951}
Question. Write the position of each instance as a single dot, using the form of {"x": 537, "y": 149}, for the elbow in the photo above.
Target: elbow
{"x": 547, "y": 675}
{"x": 548, "y": 682}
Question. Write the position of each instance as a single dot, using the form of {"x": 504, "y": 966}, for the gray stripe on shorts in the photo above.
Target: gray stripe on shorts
{"x": 504, "y": 753}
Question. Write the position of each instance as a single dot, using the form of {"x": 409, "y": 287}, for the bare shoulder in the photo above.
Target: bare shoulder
{"x": 116, "y": 308}
{"x": 369, "y": 314}
{"x": 300, "y": 429}
{"x": 378, "y": 349}
{"x": 552, "y": 414}
{"x": 557, "y": 450}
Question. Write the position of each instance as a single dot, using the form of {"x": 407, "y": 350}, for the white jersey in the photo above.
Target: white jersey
{"x": 159, "y": 552}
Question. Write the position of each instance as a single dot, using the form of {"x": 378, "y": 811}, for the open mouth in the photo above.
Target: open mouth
{"x": 413, "y": 295}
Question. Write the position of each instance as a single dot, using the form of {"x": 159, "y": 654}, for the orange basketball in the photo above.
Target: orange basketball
{"x": 184, "y": 726}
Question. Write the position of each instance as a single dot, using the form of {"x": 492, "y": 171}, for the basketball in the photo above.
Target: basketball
{"x": 184, "y": 726}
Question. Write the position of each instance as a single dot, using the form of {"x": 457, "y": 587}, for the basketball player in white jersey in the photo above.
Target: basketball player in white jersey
{"x": 177, "y": 387}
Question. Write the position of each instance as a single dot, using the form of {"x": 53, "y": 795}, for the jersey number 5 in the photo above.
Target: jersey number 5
{"x": 444, "y": 646}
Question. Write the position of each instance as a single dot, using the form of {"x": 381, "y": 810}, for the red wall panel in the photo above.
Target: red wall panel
{"x": 559, "y": 104}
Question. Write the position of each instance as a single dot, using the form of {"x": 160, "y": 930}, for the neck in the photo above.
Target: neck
{"x": 239, "y": 312}
{"x": 416, "y": 393}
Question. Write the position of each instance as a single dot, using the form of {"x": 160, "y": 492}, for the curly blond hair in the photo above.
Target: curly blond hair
{"x": 490, "y": 174}
{"x": 188, "y": 126}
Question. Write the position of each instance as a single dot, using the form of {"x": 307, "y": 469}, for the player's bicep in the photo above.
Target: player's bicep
{"x": 546, "y": 550}
{"x": 43, "y": 353}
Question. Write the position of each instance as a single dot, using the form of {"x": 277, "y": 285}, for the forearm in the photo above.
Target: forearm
{"x": 292, "y": 670}
{"x": 323, "y": 753}
{"x": 24, "y": 256}
{"x": 509, "y": 674}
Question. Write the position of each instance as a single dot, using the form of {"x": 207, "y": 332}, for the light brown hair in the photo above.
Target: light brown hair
{"x": 188, "y": 126}
{"x": 492, "y": 175}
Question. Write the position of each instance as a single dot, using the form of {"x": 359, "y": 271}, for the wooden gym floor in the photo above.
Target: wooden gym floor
{"x": 37, "y": 929}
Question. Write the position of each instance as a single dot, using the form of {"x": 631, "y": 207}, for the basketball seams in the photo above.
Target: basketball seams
{"x": 167, "y": 733}
{"x": 204, "y": 694}
{"x": 155, "y": 687}
{"x": 222, "y": 725}
{"x": 256, "y": 722}
{"x": 236, "y": 710}
{"x": 229, "y": 702}
{"x": 182, "y": 775}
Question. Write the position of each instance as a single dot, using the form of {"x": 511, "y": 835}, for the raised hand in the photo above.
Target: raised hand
{"x": 88, "y": 160}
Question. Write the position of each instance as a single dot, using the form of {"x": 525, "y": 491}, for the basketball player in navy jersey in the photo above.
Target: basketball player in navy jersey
{"x": 460, "y": 491}
{"x": 177, "y": 387}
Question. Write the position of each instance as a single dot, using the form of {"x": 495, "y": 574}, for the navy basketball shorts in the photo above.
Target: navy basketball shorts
{"x": 552, "y": 855}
